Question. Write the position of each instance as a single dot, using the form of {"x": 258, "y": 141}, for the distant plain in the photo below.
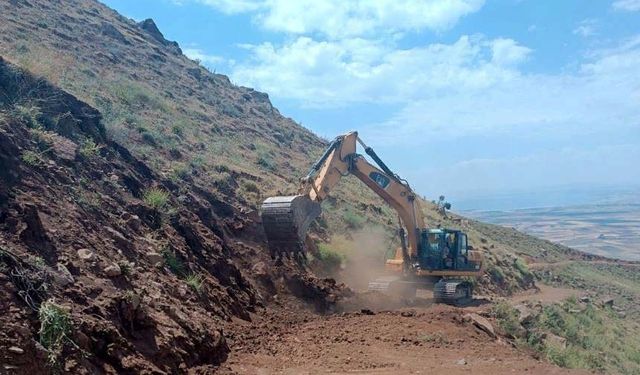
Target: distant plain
{"x": 611, "y": 230}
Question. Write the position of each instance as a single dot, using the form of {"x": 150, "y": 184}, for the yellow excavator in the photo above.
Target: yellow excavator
{"x": 435, "y": 258}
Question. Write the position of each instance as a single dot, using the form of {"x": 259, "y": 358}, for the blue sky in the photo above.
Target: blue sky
{"x": 461, "y": 97}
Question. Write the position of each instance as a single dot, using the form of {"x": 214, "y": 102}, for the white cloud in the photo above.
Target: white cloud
{"x": 627, "y": 5}
{"x": 232, "y": 6}
{"x": 338, "y": 18}
{"x": 336, "y": 73}
{"x": 508, "y": 52}
{"x": 586, "y": 28}
{"x": 602, "y": 94}
{"x": 202, "y": 56}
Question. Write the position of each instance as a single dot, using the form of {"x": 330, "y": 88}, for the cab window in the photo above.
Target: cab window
{"x": 463, "y": 243}
{"x": 434, "y": 242}
{"x": 380, "y": 179}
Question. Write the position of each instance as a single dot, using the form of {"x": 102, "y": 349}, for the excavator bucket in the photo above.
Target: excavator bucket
{"x": 285, "y": 221}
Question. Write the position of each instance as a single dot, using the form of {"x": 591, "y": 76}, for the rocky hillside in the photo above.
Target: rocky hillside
{"x": 107, "y": 266}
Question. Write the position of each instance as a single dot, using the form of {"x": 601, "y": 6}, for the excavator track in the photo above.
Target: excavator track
{"x": 285, "y": 220}
{"x": 395, "y": 286}
{"x": 452, "y": 292}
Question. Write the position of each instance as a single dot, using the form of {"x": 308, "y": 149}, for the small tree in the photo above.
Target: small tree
{"x": 443, "y": 206}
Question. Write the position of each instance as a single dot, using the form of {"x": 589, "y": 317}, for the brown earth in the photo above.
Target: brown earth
{"x": 429, "y": 339}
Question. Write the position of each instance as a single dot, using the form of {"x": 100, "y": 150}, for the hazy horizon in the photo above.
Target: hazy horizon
{"x": 558, "y": 196}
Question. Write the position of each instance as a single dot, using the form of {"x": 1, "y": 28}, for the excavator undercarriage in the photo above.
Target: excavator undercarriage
{"x": 426, "y": 254}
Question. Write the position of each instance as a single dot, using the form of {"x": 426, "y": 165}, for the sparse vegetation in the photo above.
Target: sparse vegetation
{"x": 251, "y": 187}
{"x": 89, "y": 148}
{"x": 496, "y": 273}
{"x": 195, "y": 281}
{"x": 178, "y": 129}
{"x": 266, "y": 162}
{"x": 330, "y": 259}
{"x": 43, "y": 139}
{"x": 29, "y": 114}
{"x": 438, "y": 338}
{"x": 353, "y": 220}
{"x": 55, "y": 328}
{"x": 173, "y": 263}
{"x": 125, "y": 267}
{"x": 587, "y": 336}
{"x": 156, "y": 198}
{"x": 136, "y": 95}
{"x": 507, "y": 317}
{"x": 31, "y": 158}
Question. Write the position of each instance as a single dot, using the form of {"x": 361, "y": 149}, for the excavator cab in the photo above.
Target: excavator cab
{"x": 445, "y": 249}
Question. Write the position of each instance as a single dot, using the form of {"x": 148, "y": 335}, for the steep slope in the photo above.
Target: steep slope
{"x": 184, "y": 121}
{"x": 112, "y": 267}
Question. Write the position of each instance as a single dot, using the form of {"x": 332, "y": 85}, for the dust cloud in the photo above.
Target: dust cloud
{"x": 365, "y": 252}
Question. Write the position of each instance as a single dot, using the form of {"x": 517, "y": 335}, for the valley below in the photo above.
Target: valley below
{"x": 611, "y": 230}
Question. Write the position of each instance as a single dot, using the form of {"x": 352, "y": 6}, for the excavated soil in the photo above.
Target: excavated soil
{"x": 429, "y": 339}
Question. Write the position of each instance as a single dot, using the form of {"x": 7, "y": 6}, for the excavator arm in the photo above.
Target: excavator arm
{"x": 286, "y": 219}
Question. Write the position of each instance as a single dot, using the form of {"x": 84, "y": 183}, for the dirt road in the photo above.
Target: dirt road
{"x": 429, "y": 339}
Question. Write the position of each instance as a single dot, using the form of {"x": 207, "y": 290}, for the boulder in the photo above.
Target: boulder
{"x": 482, "y": 323}
{"x": 607, "y": 302}
{"x": 550, "y": 339}
{"x": 525, "y": 313}
{"x": 155, "y": 258}
{"x": 85, "y": 254}
{"x": 113, "y": 270}
{"x": 585, "y": 299}
{"x": 62, "y": 277}
{"x": 16, "y": 350}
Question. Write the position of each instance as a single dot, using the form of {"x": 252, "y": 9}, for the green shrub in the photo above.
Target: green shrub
{"x": 353, "y": 220}
{"x": 180, "y": 172}
{"x": 507, "y": 318}
{"x": 31, "y": 158}
{"x": 195, "y": 282}
{"x": 125, "y": 268}
{"x": 149, "y": 139}
{"x": 42, "y": 138}
{"x": 89, "y": 148}
{"x": 266, "y": 162}
{"x": 55, "y": 328}
{"x": 496, "y": 273}
{"x": 178, "y": 129}
{"x": 156, "y": 198}
{"x": 521, "y": 266}
{"x": 197, "y": 162}
{"x": 173, "y": 263}
{"x": 251, "y": 187}
{"x": 29, "y": 114}
{"x": 329, "y": 258}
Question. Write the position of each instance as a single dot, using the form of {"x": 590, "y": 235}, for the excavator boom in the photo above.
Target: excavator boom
{"x": 286, "y": 218}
